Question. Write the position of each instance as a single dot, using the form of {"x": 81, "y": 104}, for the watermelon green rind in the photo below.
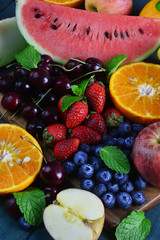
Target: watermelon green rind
{"x": 64, "y": 32}
{"x": 11, "y": 40}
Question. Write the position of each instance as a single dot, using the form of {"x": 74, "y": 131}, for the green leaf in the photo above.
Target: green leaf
{"x": 157, "y": 6}
{"x": 84, "y": 84}
{"x": 112, "y": 64}
{"x": 135, "y": 226}
{"x": 29, "y": 57}
{"x": 32, "y": 204}
{"x": 115, "y": 159}
{"x": 69, "y": 100}
{"x": 76, "y": 90}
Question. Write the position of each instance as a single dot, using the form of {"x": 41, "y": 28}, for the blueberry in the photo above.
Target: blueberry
{"x": 105, "y": 137}
{"x": 99, "y": 189}
{"x": 87, "y": 184}
{"x": 129, "y": 141}
{"x": 69, "y": 167}
{"x": 120, "y": 141}
{"x": 103, "y": 176}
{"x": 120, "y": 178}
{"x": 124, "y": 200}
{"x": 138, "y": 198}
{"x": 80, "y": 158}
{"x": 113, "y": 187}
{"x": 96, "y": 162}
{"x": 137, "y": 127}
{"x": 24, "y": 225}
{"x": 109, "y": 200}
{"x": 140, "y": 183}
{"x": 84, "y": 147}
{"x": 86, "y": 171}
{"x": 127, "y": 153}
{"x": 110, "y": 141}
{"x": 127, "y": 187}
{"x": 96, "y": 150}
{"x": 114, "y": 132}
{"x": 124, "y": 129}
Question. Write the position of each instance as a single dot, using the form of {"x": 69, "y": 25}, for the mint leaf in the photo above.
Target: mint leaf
{"x": 76, "y": 90}
{"x": 32, "y": 204}
{"x": 115, "y": 159}
{"x": 84, "y": 84}
{"x": 112, "y": 64}
{"x": 135, "y": 226}
{"x": 157, "y": 6}
{"x": 69, "y": 100}
{"x": 29, "y": 57}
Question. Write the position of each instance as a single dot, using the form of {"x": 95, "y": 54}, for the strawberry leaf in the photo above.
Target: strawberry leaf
{"x": 115, "y": 159}
{"x": 69, "y": 100}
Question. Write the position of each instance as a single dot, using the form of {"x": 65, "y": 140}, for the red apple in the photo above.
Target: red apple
{"x": 146, "y": 153}
{"x": 122, "y": 7}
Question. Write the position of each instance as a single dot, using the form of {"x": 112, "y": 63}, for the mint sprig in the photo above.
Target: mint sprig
{"x": 115, "y": 159}
{"x": 157, "y": 6}
{"x": 32, "y": 204}
{"x": 112, "y": 64}
{"x": 29, "y": 57}
{"x": 134, "y": 226}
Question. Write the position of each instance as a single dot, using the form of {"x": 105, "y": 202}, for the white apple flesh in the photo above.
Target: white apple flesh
{"x": 75, "y": 215}
{"x": 146, "y": 153}
{"x": 122, "y": 7}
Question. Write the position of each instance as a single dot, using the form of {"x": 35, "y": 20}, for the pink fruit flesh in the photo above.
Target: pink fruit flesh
{"x": 146, "y": 153}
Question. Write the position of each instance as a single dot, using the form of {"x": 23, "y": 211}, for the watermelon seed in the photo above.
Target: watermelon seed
{"x": 35, "y": 9}
{"x": 68, "y": 25}
{"x": 122, "y": 36}
{"x": 54, "y": 26}
{"x": 127, "y": 34}
{"x": 88, "y": 30}
{"x": 115, "y": 34}
{"x": 74, "y": 28}
{"x": 55, "y": 20}
{"x": 38, "y": 15}
{"x": 107, "y": 35}
{"x": 141, "y": 31}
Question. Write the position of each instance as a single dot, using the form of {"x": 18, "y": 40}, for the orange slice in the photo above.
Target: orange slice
{"x": 135, "y": 91}
{"x": 150, "y": 9}
{"x": 20, "y": 161}
{"x": 68, "y": 3}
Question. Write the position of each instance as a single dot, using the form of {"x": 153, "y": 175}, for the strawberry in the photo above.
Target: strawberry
{"x": 76, "y": 113}
{"x": 112, "y": 117}
{"x": 54, "y": 133}
{"x": 86, "y": 135}
{"x": 96, "y": 96}
{"x": 97, "y": 123}
{"x": 66, "y": 148}
{"x": 64, "y": 114}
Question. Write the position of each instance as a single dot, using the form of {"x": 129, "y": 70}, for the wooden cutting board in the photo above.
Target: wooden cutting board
{"x": 112, "y": 216}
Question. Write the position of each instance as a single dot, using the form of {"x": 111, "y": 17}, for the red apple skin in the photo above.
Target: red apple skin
{"x": 146, "y": 153}
{"x": 122, "y": 7}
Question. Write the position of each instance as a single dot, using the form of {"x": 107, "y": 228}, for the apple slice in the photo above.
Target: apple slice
{"x": 76, "y": 214}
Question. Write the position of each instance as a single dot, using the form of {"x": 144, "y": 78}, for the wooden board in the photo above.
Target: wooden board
{"x": 113, "y": 216}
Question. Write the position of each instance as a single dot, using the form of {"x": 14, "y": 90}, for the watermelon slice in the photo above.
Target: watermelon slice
{"x": 64, "y": 32}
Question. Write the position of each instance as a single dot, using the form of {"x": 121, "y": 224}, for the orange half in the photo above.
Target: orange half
{"x": 135, "y": 91}
{"x": 67, "y": 3}
{"x": 20, "y": 161}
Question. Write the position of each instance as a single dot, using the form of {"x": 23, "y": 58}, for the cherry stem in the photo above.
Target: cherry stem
{"x": 15, "y": 112}
{"x": 36, "y": 147}
{"x": 42, "y": 98}
{"x": 86, "y": 74}
{"x": 3, "y": 114}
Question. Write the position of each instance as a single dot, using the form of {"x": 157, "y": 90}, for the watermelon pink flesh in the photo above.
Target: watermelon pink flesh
{"x": 64, "y": 32}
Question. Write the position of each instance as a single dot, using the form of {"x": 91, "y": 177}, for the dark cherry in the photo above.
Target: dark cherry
{"x": 35, "y": 127}
{"x": 46, "y": 58}
{"x": 21, "y": 73}
{"x": 51, "y": 115}
{"x": 29, "y": 110}
{"x": 6, "y": 83}
{"x": 40, "y": 78}
{"x": 51, "y": 193}
{"x": 57, "y": 71}
{"x": 11, "y": 101}
{"x": 77, "y": 71}
{"x": 93, "y": 64}
{"x": 45, "y": 65}
{"x": 62, "y": 85}
{"x": 24, "y": 88}
{"x": 11, "y": 206}
{"x": 49, "y": 99}
{"x": 52, "y": 173}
